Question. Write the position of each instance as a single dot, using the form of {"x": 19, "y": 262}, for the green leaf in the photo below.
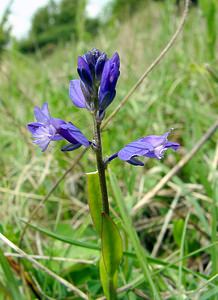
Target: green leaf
{"x": 64, "y": 238}
{"x": 94, "y": 199}
{"x": 10, "y": 280}
{"x": 104, "y": 278}
{"x": 112, "y": 246}
{"x": 108, "y": 285}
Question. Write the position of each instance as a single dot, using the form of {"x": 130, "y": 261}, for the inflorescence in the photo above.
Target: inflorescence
{"x": 95, "y": 90}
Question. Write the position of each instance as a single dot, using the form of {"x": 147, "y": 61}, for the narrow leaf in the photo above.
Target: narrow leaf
{"x": 94, "y": 199}
{"x": 64, "y": 238}
{"x": 140, "y": 253}
{"x": 112, "y": 247}
{"x": 104, "y": 278}
{"x": 108, "y": 285}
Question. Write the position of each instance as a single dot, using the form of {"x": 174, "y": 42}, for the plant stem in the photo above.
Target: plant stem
{"x": 112, "y": 290}
{"x": 100, "y": 165}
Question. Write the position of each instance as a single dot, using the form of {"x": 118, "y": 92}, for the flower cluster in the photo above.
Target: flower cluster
{"x": 95, "y": 90}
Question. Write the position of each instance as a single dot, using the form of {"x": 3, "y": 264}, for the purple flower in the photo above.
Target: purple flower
{"x": 48, "y": 129}
{"x": 90, "y": 67}
{"x": 152, "y": 146}
{"x": 95, "y": 60}
{"x": 96, "y": 88}
{"x": 84, "y": 71}
{"x": 99, "y": 66}
{"x": 108, "y": 83}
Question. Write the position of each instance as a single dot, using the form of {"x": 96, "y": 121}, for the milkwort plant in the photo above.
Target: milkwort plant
{"x": 95, "y": 90}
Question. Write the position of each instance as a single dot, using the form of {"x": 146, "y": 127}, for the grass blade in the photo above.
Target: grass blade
{"x": 64, "y": 238}
{"x": 140, "y": 253}
{"x": 182, "y": 249}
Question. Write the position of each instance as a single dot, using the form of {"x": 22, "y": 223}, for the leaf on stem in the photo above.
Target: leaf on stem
{"x": 108, "y": 285}
{"x": 112, "y": 247}
{"x": 94, "y": 199}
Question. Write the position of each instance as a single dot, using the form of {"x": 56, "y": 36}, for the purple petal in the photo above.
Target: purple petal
{"x": 45, "y": 110}
{"x": 104, "y": 79}
{"x": 43, "y": 135}
{"x": 106, "y": 99}
{"x": 156, "y": 140}
{"x": 57, "y": 137}
{"x": 151, "y": 154}
{"x": 136, "y": 148}
{"x": 109, "y": 79}
{"x": 158, "y": 151}
{"x": 73, "y": 135}
{"x": 100, "y": 66}
{"x": 43, "y": 144}
{"x": 57, "y": 122}
{"x": 135, "y": 162}
{"x": 115, "y": 59}
{"x": 76, "y": 94}
{"x": 174, "y": 146}
{"x": 114, "y": 70}
{"x": 42, "y": 114}
{"x": 84, "y": 71}
{"x": 32, "y": 127}
{"x": 71, "y": 147}
{"x": 82, "y": 64}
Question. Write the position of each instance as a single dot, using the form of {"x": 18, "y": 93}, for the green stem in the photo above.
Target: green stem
{"x": 103, "y": 187}
{"x": 112, "y": 290}
{"x": 100, "y": 165}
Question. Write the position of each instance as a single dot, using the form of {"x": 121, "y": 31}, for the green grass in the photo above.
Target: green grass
{"x": 179, "y": 93}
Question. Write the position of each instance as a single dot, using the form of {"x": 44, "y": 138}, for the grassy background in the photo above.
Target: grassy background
{"x": 180, "y": 93}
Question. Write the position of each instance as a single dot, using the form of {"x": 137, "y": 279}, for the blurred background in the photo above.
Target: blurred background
{"x": 39, "y": 45}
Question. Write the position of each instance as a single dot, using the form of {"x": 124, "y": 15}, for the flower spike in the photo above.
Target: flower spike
{"x": 96, "y": 88}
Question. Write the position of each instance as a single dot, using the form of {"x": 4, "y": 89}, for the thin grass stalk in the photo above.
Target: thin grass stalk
{"x": 140, "y": 253}
{"x": 182, "y": 250}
